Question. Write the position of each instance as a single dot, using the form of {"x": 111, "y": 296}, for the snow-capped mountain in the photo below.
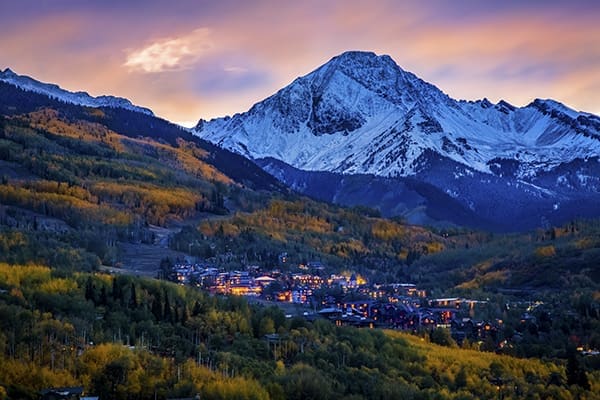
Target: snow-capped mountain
{"x": 81, "y": 98}
{"x": 362, "y": 114}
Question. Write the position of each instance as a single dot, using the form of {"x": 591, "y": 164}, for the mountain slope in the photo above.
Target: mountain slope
{"x": 362, "y": 114}
{"x": 134, "y": 124}
{"x": 418, "y": 202}
{"x": 82, "y": 185}
{"x": 54, "y": 91}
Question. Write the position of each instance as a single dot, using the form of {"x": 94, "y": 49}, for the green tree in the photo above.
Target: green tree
{"x": 133, "y": 303}
{"x": 157, "y": 306}
{"x": 497, "y": 370}
{"x": 167, "y": 315}
{"x": 442, "y": 337}
{"x": 460, "y": 380}
{"x": 575, "y": 373}
{"x": 107, "y": 384}
{"x": 90, "y": 290}
{"x": 266, "y": 326}
{"x": 305, "y": 383}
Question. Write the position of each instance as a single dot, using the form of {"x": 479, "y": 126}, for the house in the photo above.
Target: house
{"x": 62, "y": 393}
{"x": 264, "y": 281}
{"x": 330, "y": 312}
{"x": 355, "y": 320}
{"x": 405, "y": 289}
{"x": 363, "y": 308}
{"x": 316, "y": 265}
{"x": 301, "y": 295}
{"x": 445, "y": 303}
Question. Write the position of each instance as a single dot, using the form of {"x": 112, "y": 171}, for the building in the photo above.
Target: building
{"x": 62, "y": 393}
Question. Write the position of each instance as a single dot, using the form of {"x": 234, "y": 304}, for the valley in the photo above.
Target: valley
{"x": 289, "y": 282}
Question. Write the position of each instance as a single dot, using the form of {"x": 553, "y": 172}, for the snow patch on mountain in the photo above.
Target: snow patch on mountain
{"x": 362, "y": 114}
{"x": 81, "y": 98}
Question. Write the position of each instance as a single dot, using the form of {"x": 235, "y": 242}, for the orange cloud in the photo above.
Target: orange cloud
{"x": 516, "y": 58}
{"x": 513, "y": 54}
{"x": 170, "y": 54}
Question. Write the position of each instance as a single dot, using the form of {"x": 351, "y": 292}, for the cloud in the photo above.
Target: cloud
{"x": 172, "y": 54}
{"x": 246, "y": 51}
{"x": 235, "y": 70}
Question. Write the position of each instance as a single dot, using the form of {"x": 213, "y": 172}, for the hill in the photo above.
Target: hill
{"x": 124, "y": 337}
{"x": 98, "y": 180}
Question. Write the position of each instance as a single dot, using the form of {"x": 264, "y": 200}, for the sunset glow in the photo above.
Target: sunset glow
{"x": 198, "y": 59}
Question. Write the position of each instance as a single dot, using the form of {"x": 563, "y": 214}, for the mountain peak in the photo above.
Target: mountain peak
{"x": 361, "y": 113}
{"x": 356, "y": 54}
{"x": 8, "y": 72}
{"x": 548, "y": 105}
{"x": 365, "y": 63}
{"x": 359, "y": 56}
{"x": 353, "y": 87}
{"x": 378, "y": 74}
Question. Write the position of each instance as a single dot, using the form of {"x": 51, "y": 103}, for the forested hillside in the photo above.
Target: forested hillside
{"x": 71, "y": 182}
{"x": 85, "y": 181}
{"x": 133, "y": 338}
{"x": 81, "y": 187}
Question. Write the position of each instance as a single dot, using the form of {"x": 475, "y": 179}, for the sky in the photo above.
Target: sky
{"x": 192, "y": 59}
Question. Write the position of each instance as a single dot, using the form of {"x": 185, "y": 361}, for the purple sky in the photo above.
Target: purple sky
{"x": 201, "y": 59}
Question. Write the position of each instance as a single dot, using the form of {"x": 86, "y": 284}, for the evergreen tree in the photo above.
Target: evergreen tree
{"x": 575, "y": 372}
{"x": 116, "y": 290}
{"x": 157, "y": 306}
{"x": 103, "y": 296}
{"x": 197, "y": 308}
{"x": 167, "y": 312}
{"x": 412, "y": 256}
{"x": 175, "y": 317}
{"x": 133, "y": 299}
{"x": 185, "y": 314}
{"x": 460, "y": 381}
{"x": 90, "y": 291}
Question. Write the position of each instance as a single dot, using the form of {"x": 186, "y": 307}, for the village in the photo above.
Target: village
{"x": 348, "y": 300}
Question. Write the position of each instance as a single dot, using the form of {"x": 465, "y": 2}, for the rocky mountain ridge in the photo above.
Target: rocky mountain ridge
{"x": 361, "y": 114}
{"x": 80, "y": 98}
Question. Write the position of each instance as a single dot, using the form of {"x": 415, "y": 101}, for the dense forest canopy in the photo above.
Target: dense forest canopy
{"x": 126, "y": 337}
